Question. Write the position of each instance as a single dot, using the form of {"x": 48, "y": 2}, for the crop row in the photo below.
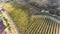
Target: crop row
{"x": 42, "y": 25}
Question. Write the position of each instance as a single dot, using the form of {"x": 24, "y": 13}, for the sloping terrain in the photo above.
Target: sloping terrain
{"x": 42, "y": 25}
{"x": 35, "y": 25}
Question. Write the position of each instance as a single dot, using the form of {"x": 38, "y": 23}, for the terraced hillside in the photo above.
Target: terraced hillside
{"x": 42, "y": 25}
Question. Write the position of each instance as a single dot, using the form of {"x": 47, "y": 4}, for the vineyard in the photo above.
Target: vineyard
{"x": 36, "y": 25}
{"x": 42, "y": 25}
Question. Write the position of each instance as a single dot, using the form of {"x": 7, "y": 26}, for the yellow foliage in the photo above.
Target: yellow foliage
{"x": 19, "y": 15}
{"x": 8, "y": 7}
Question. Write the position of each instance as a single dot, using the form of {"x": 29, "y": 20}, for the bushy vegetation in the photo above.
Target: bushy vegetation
{"x": 19, "y": 13}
